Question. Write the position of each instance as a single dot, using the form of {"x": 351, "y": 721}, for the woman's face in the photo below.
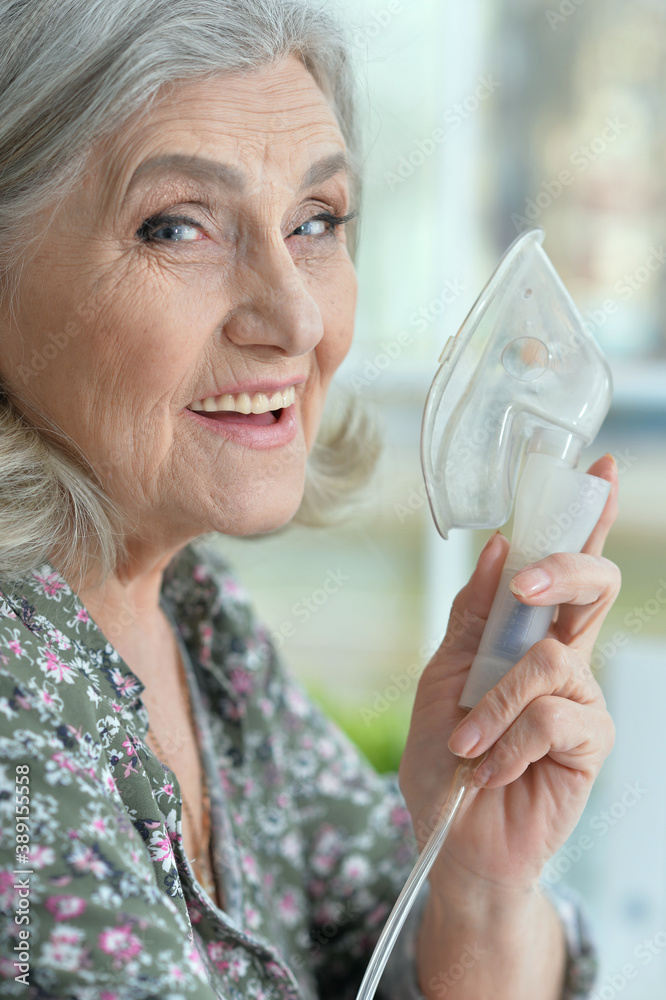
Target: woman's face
{"x": 196, "y": 261}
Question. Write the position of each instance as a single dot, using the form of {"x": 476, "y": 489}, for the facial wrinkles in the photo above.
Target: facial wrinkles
{"x": 160, "y": 340}
{"x": 116, "y": 327}
{"x": 108, "y": 414}
{"x": 249, "y": 140}
{"x": 264, "y": 240}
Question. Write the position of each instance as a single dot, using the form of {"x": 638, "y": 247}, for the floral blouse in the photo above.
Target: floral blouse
{"x": 311, "y": 847}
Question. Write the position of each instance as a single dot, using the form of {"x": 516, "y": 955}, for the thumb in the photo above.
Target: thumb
{"x": 471, "y": 607}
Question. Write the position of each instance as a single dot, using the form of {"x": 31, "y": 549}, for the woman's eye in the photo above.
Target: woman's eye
{"x": 313, "y": 227}
{"x": 169, "y": 230}
{"x": 322, "y": 224}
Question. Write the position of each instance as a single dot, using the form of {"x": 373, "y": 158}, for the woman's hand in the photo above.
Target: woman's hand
{"x": 545, "y": 723}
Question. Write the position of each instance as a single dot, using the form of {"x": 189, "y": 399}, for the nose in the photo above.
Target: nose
{"x": 276, "y": 309}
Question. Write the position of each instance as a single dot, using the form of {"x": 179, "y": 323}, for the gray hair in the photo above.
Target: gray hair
{"x": 73, "y": 72}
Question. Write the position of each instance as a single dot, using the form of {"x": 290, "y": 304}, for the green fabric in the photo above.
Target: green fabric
{"x": 312, "y": 847}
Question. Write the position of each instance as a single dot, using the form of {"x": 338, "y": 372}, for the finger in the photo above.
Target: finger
{"x": 471, "y": 606}
{"x": 467, "y": 620}
{"x": 548, "y": 668}
{"x": 477, "y": 596}
{"x": 565, "y": 578}
{"x": 574, "y": 736}
{"x": 582, "y": 586}
{"x": 604, "y": 468}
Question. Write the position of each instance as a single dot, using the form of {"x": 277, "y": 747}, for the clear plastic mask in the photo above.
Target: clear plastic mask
{"x": 523, "y": 368}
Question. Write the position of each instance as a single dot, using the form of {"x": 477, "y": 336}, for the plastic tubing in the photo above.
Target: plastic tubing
{"x": 556, "y": 509}
{"x": 462, "y": 781}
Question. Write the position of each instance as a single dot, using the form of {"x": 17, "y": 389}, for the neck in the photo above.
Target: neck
{"x": 126, "y": 608}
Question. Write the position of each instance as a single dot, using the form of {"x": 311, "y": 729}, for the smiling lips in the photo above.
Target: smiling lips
{"x": 261, "y": 420}
{"x": 243, "y": 403}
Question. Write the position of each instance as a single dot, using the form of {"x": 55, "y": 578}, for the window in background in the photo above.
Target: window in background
{"x": 578, "y": 133}
{"x": 353, "y": 646}
{"x": 483, "y": 119}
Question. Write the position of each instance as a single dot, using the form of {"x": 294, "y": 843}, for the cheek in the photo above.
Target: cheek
{"x": 338, "y": 307}
{"x": 337, "y": 303}
{"x": 149, "y": 339}
{"x": 121, "y": 353}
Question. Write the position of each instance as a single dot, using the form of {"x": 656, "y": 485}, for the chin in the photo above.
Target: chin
{"x": 266, "y": 510}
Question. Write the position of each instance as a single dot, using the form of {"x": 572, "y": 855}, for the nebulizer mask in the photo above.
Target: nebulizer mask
{"x": 520, "y": 391}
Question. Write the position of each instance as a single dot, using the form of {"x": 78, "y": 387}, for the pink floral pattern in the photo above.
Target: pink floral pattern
{"x": 311, "y": 846}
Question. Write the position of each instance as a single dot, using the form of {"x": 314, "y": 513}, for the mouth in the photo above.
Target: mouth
{"x": 260, "y": 409}
{"x": 257, "y": 420}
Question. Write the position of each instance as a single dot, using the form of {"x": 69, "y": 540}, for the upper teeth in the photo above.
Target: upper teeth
{"x": 261, "y": 402}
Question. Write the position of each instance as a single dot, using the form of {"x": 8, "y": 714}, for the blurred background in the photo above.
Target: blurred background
{"x": 483, "y": 119}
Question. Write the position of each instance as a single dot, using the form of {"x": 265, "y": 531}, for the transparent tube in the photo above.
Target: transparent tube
{"x": 556, "y": 509}
{"x": 462, "y": 781}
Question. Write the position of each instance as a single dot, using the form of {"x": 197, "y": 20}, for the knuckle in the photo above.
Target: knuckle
{"x": 500, "y": 701}
{"x": 591, "y": 692}
{"x": 461, "y": 622}
{"x": 615, "y": 578}
{"x": 542, "y": 668}
{"x": 551, "y": 658}
{"x": 545, "y": 714}
{"x": 564, "y": 567}
{"x": 458, "y": 605}
{"x": 503, "y": 752}
{"x": 562, "y": 562}
{"x": 569, "y": 569}
{"x": 573, "y": 579}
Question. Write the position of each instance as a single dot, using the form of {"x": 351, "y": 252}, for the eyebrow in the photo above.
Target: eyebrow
{"x": 325, "y": 168}
{"x": 225, "y": 175}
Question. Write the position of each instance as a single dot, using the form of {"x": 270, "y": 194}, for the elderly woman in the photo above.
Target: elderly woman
{"x": 179, "y": 821}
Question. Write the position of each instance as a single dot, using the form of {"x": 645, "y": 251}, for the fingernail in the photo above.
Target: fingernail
{"x": 484, "y": 773}
{"x": 464, "y": 738}
{"x": 529, "y": 582}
